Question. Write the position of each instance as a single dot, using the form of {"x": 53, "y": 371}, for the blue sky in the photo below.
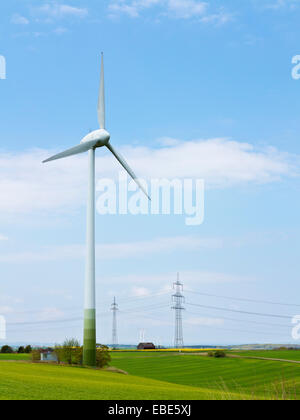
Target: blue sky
{"x": 207, "y": 85}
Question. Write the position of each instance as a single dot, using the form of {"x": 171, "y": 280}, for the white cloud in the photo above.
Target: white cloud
{"x": 113, "y": 251}
{"x": 179, "y": 9}
{"x": 60, "y": 11}
{"x": 3, "y": 238}
{"x": 205, "y": 322}
{"x": 60, "y": 31}
{"x": 131, "y": 8}
{"x": 221, "y": 162}
{"x": 140, "y": 291}
{"x": 5, "y": 310}
{"x": 160, "y": 284}
{"x": 27, "y": 186}
{"x": 50, "y": 314}
{"x": 281, "y": 4}
{"x": 19, "y": 20}
{"x": 186, "y": 9}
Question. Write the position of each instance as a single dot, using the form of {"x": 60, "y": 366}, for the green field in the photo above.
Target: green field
{"x": 272, "y": 354}
{"x": 15, "y": 356}
{"x": 40, "y": 382}
{"x": 246, "y": 376}
{"x": 155, "y": 376}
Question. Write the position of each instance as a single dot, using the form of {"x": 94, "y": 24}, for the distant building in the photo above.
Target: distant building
{"x": 146, "y": 346}
{"x": 48, "y": 356}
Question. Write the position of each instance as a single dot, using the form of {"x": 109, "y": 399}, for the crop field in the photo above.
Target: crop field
{"x": 42, "y": 382}
{"x": 161, "y": 375}
{"x": 272, "y": 354}
{"x": 259, "y": 378}
{"x": 15, "y": 356}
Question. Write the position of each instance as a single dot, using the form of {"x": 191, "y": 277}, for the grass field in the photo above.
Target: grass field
{"x": 272, "y": 354}
{"x": 15, "y": 356}
{"x": 156, "y": 376}
{"x": 40, "y": 382}
{"x": 260, "y": 377}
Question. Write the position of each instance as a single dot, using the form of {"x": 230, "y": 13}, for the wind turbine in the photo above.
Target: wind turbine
{"x": 95, "y": 139}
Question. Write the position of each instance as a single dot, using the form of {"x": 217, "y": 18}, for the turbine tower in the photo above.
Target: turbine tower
{"x": 114, "y": 308}
{"x": 92, "y": 141}
{"x": 178, "y": 300}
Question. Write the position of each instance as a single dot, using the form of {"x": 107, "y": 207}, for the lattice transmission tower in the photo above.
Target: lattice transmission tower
{"x": 178, "y": 300}
{"x": 114, "y": 308}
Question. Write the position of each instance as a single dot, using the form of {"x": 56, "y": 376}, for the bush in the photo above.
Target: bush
{"x": 21, "y": 350}
{"x": 217, "y": 354}
{"x": 71, "y": 353}
{"x": 36, "y": 355}
{"x": 102, "y": 356}
{"x": 6, "y": 350}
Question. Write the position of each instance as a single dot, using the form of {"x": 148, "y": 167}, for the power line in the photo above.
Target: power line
{"x": 99, "y": 303}
{"x": 240, "y": 312}
{"x": 21, "y": 324}
{"x": 247, "y": 321}
{"x": 239, "y": 331}
{"x": 40, "y": 328}
{"x": 44, "y": 322}
{"x": 146, "y": 308}
{"x": 242, "y": 299}
{"x": 139, "y": 298}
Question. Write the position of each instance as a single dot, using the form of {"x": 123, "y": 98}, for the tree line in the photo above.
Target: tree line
{"x": 21, "y": 350}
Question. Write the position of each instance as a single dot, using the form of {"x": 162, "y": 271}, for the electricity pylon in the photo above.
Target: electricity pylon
{"x": 178, "y": 300}
{"x": 114, "y": 308}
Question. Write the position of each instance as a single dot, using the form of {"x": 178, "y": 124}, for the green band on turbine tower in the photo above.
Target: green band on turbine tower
{"x": 89, "y": 341}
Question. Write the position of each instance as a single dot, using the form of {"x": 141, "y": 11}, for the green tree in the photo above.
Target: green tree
{"x": 36, "y": 355}
{"x": 102, "y": 356}
{"x": 6, "y": 350}
{"x": 28, "y": 349}
{"x": 21, "y": 350}
{"x": 69, "y": 352}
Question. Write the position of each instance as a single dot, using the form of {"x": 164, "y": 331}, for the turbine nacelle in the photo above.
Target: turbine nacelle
{"x": 100, "y": 137}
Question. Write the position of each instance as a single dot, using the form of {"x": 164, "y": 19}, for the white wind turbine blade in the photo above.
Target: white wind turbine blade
{"x": 127, "y": 168}
{"x": 81, "y": 148}
{"x": 101, "y": 100}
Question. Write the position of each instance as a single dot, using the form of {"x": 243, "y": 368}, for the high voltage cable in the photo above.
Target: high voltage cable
{"x": 239, "y": 331}
{"x": 51, "y": 321}
{"x": 240, "y": 312}
{"x": 246, "y": 321}
{"x": 43, "y": 322}
{"x": 40, "y": 323}
{"x": 151, "y": 295}
{"x": 242, "y": 299}
{"x": 102, "y": 303}
{"x": 131, "y": 315}
{"x": 58, "y": 321}
{"x": 40, "y": 328}
{"x": 144, "y": 308}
